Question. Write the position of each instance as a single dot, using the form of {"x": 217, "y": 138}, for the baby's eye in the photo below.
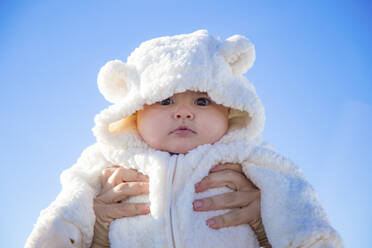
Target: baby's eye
{"x": 202, "y": 101}
{"x": 166, "y": 101}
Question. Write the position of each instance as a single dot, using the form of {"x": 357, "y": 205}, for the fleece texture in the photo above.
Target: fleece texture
{"x": 157, "y": 69}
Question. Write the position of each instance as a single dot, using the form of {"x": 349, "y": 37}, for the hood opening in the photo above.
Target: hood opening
{"x": 237, "y": 120}
{"x": 124, "y": 125}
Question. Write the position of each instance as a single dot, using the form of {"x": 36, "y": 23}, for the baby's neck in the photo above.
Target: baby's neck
{"x": 173, "y": 153}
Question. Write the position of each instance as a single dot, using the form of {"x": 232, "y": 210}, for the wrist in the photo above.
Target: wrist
{"x": 259, "y": 230}
{"x": 100, "y": 238}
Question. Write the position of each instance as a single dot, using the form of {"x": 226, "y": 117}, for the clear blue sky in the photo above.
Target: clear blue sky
{"x": 313, "y": 73}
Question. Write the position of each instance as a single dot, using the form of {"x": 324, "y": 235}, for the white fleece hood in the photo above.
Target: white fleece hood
{"x": 161, "y": 67}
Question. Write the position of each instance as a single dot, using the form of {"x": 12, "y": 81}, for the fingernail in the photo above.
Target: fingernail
{"x": 198, "y": 204}
{"x": 146, "y": 209}
{"x": 212, "y": 223}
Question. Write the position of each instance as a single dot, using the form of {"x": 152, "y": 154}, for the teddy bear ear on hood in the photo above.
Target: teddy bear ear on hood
{"x": 116, "y": 79}
{"x": 239, "y": 53}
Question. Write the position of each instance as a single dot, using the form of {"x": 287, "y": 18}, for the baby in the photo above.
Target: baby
{"x": 177, "y": 125}
{"x": 189, "y": 122}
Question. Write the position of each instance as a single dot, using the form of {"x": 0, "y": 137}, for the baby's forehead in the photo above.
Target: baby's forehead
{"x": 191, "y": 92}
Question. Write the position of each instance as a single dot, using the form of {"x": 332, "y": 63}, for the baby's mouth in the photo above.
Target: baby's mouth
{"x": 183, "y": 130}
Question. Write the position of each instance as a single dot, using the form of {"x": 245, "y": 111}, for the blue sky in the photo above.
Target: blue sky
{"x": 312, "y": 72}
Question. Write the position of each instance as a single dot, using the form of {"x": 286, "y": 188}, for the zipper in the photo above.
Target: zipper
{"x": 171, "y": 173}
{"x": 175, "y": 236}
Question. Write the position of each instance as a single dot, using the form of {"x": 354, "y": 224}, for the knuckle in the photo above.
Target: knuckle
{"x": 106, "y": 171}
{"x": 206, "y": 181}
{"x": 138, "y": 174}
{"x": 97, "y": 201}
{"x": 246, "y": 195}
{"x": 230, "y": 165}
{"x": 233, "y": 198}
{"x": 234, "y": 166}
{"x": 231, "y": 173}
{"x": 105, "y": 174}
{"x": 135, "y": 173}
{"x": 116, "y": 175}
{"x": 132, "y": 188}
{"x": 145, "y": 188}
{"x": 137, "y": 208}
{"x": 127, "y": 208}
{"x": 221, "y": 220}
{"x": 132, "y": 209}
{"x": 209, "y": 203}
{"x": 122, "y": 187}
{"x": 241, "y": 176}
{"x": 131, "y": 171}
{"x": 135, "y": 187}
{"x": 119, "y": 170}
{"x": 238, "y": 167}
{"x": 99, "y": 208}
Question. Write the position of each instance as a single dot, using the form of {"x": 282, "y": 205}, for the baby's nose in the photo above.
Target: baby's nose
{"x": 183, "y": 113}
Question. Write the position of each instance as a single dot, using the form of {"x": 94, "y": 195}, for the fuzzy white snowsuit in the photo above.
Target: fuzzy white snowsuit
{"x": 156, "y": 70}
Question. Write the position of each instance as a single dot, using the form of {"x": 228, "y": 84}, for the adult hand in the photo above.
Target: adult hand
{"x": 245, "y": 199}
{"x": 118, "y": 184}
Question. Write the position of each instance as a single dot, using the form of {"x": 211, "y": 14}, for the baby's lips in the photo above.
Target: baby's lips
{"x": 182, "y": 131}
{"x": 183, "y": 128}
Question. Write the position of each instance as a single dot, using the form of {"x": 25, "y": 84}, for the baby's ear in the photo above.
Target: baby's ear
{"x": 116, "y": 79}
{"x": 239, "y": 53}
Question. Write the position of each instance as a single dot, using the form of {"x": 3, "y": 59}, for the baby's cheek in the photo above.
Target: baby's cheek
{"x": 154, "y": 142}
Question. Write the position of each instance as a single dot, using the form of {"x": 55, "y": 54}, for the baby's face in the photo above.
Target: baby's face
{"x": 182, "y": 122}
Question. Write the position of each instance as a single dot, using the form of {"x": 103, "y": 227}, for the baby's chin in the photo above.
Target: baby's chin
{"x": 176, "y": 147}
{"x": 179, "y": 149}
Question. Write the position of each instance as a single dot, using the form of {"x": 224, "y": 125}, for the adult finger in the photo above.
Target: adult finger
{"x": 236, "y": 217}
{"x": 230, "y": 166}
{"x": 108, "y": 212}
{"x": 127, "y": 209}
{"x": 229, "y": 178}
{"x": 129, "y": 175}
{"x": 227, "y": 200}
{"x": 122, "y": 174}
{"x": 227, "y": 166}
{"x": 106, "y": 173}
{"x": 123, "y": 191}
